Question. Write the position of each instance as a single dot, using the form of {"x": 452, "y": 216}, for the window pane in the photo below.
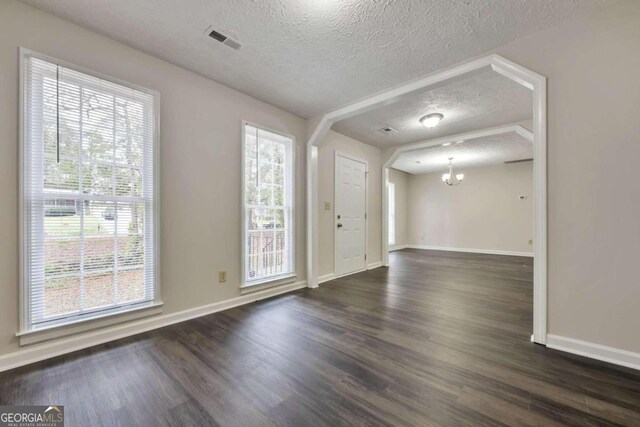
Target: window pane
{"x": 61, "y": 130}
{"x": 88, "y": 200}
{"x": 128, "y": 181}
{"x": 97, "y": 179}
{"x": 278, "y": 195}
{"x": 98, "y": 125}
{"x": 99, "y": 290}
{"x": 130, "y": 218}
{"x": 279, "y": 219}
{"x": 98, "y": 218}
{"x": 266, "y": 171}
{"x": 129, "y": 132}
{"x": 61, "y": 176}
{"x": 265, "y": 150}
{"x": 251, "y": 143}
{"x": 130, "y": 251}
{"x": 251, "y": 182}
{"x": 266, "y": 195}
{"x": 252, "y": 219}
{"x": 98, "y": 242}
{"x": 61, "y": 296}
{"x": 61, "y": 256}
{"x": 131, "y": 285}
{"x": 279, "y": 154}
{"x": 278, "y": 175}
{"x": 99, "y": 253}
{"x": 61, "y": 217}
{"x": 254, "y": 247}
{"x": 267, "y": 250}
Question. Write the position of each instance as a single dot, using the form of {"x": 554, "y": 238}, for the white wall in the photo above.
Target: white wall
{"x": 333, "y": 142}
{"x": 400, "y": 179}
{"x": 593, "y": 94}
{"x": 484, "y": 212}
{"x": 200, "y": 168}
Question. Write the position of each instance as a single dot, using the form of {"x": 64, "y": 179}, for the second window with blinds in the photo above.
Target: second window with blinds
{"x": 267, "y": 206}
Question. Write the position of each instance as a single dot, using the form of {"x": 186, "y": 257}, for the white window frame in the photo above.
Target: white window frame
{"x": 27, "y": 333}
{"x": 290, "y": 193}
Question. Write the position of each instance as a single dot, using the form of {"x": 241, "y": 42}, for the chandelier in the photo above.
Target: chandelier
{"x": 449, "y": 178}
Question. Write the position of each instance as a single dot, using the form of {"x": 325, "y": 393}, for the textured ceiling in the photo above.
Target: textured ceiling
{"x": 479, "y": 102}
{"x": 478, "y": 152}
{"x": 311, "y": 56}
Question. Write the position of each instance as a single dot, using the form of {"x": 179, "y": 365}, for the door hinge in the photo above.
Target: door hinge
{"x": 365, "y": 216}
{"x": 365, "y": 257}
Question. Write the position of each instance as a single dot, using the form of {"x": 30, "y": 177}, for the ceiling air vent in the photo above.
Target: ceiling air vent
{"x": 223, "y": 38}
{"x": 387, "y": 130}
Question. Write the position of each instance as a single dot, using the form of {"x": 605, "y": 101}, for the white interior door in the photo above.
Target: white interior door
{"x": 350, "y": 215}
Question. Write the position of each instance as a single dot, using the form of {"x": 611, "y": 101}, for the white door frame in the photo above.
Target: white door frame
{"x": 366, "y": 209}
{"x": 522, "y": 75}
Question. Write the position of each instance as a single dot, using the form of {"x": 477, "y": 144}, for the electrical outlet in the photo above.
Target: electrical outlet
{"x": 531, "y": 242}
{"x": 222, "y": 276}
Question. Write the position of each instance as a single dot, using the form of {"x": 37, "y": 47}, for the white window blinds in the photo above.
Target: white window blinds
{"x": 89, "y": 221}
{"x": 268, "y": 205}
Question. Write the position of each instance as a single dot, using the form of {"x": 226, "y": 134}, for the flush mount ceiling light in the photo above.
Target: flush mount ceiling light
{"x": 431, "y": 120}
{"x": 450, "y": 178}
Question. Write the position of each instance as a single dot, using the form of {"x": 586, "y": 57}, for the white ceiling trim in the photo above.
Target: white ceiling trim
{"x": 494, "y": 62}
{"x": 498, "y": 130}
{"x": 478, "y": 102}
{"x": 431, "y": 81}
{"x": 518, "y": 138}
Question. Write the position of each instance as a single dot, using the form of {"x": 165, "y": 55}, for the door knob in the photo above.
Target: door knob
{"x": 339, "y": 225}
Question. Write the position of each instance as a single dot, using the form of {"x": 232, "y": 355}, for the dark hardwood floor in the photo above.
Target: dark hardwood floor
{"x": 439, "y": 338}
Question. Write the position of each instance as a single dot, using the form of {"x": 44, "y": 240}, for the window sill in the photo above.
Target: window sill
{"x": 89, "y": 324}
{"x": 271, "y": 282}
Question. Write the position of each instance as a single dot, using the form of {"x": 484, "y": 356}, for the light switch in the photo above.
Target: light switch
{"x": 327, "y": 206}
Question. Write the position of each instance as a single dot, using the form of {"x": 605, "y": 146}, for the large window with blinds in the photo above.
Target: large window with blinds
{"x": 267, "y": 205}
{"x": 89, "y": 214}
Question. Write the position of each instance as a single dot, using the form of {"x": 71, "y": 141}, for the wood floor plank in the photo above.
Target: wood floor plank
{"x": 437, "y": 339}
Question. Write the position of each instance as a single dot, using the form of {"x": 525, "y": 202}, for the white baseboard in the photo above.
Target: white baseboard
{"x": 47, "y": 350}
{"x": 397, "y": 247}
{"x": 475, "y": 251}
{"x": 613, "y": 355}
{"x": 374, "y": 265}
{"x": 326, "y": 278}
{"x": 331, "y": 276}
